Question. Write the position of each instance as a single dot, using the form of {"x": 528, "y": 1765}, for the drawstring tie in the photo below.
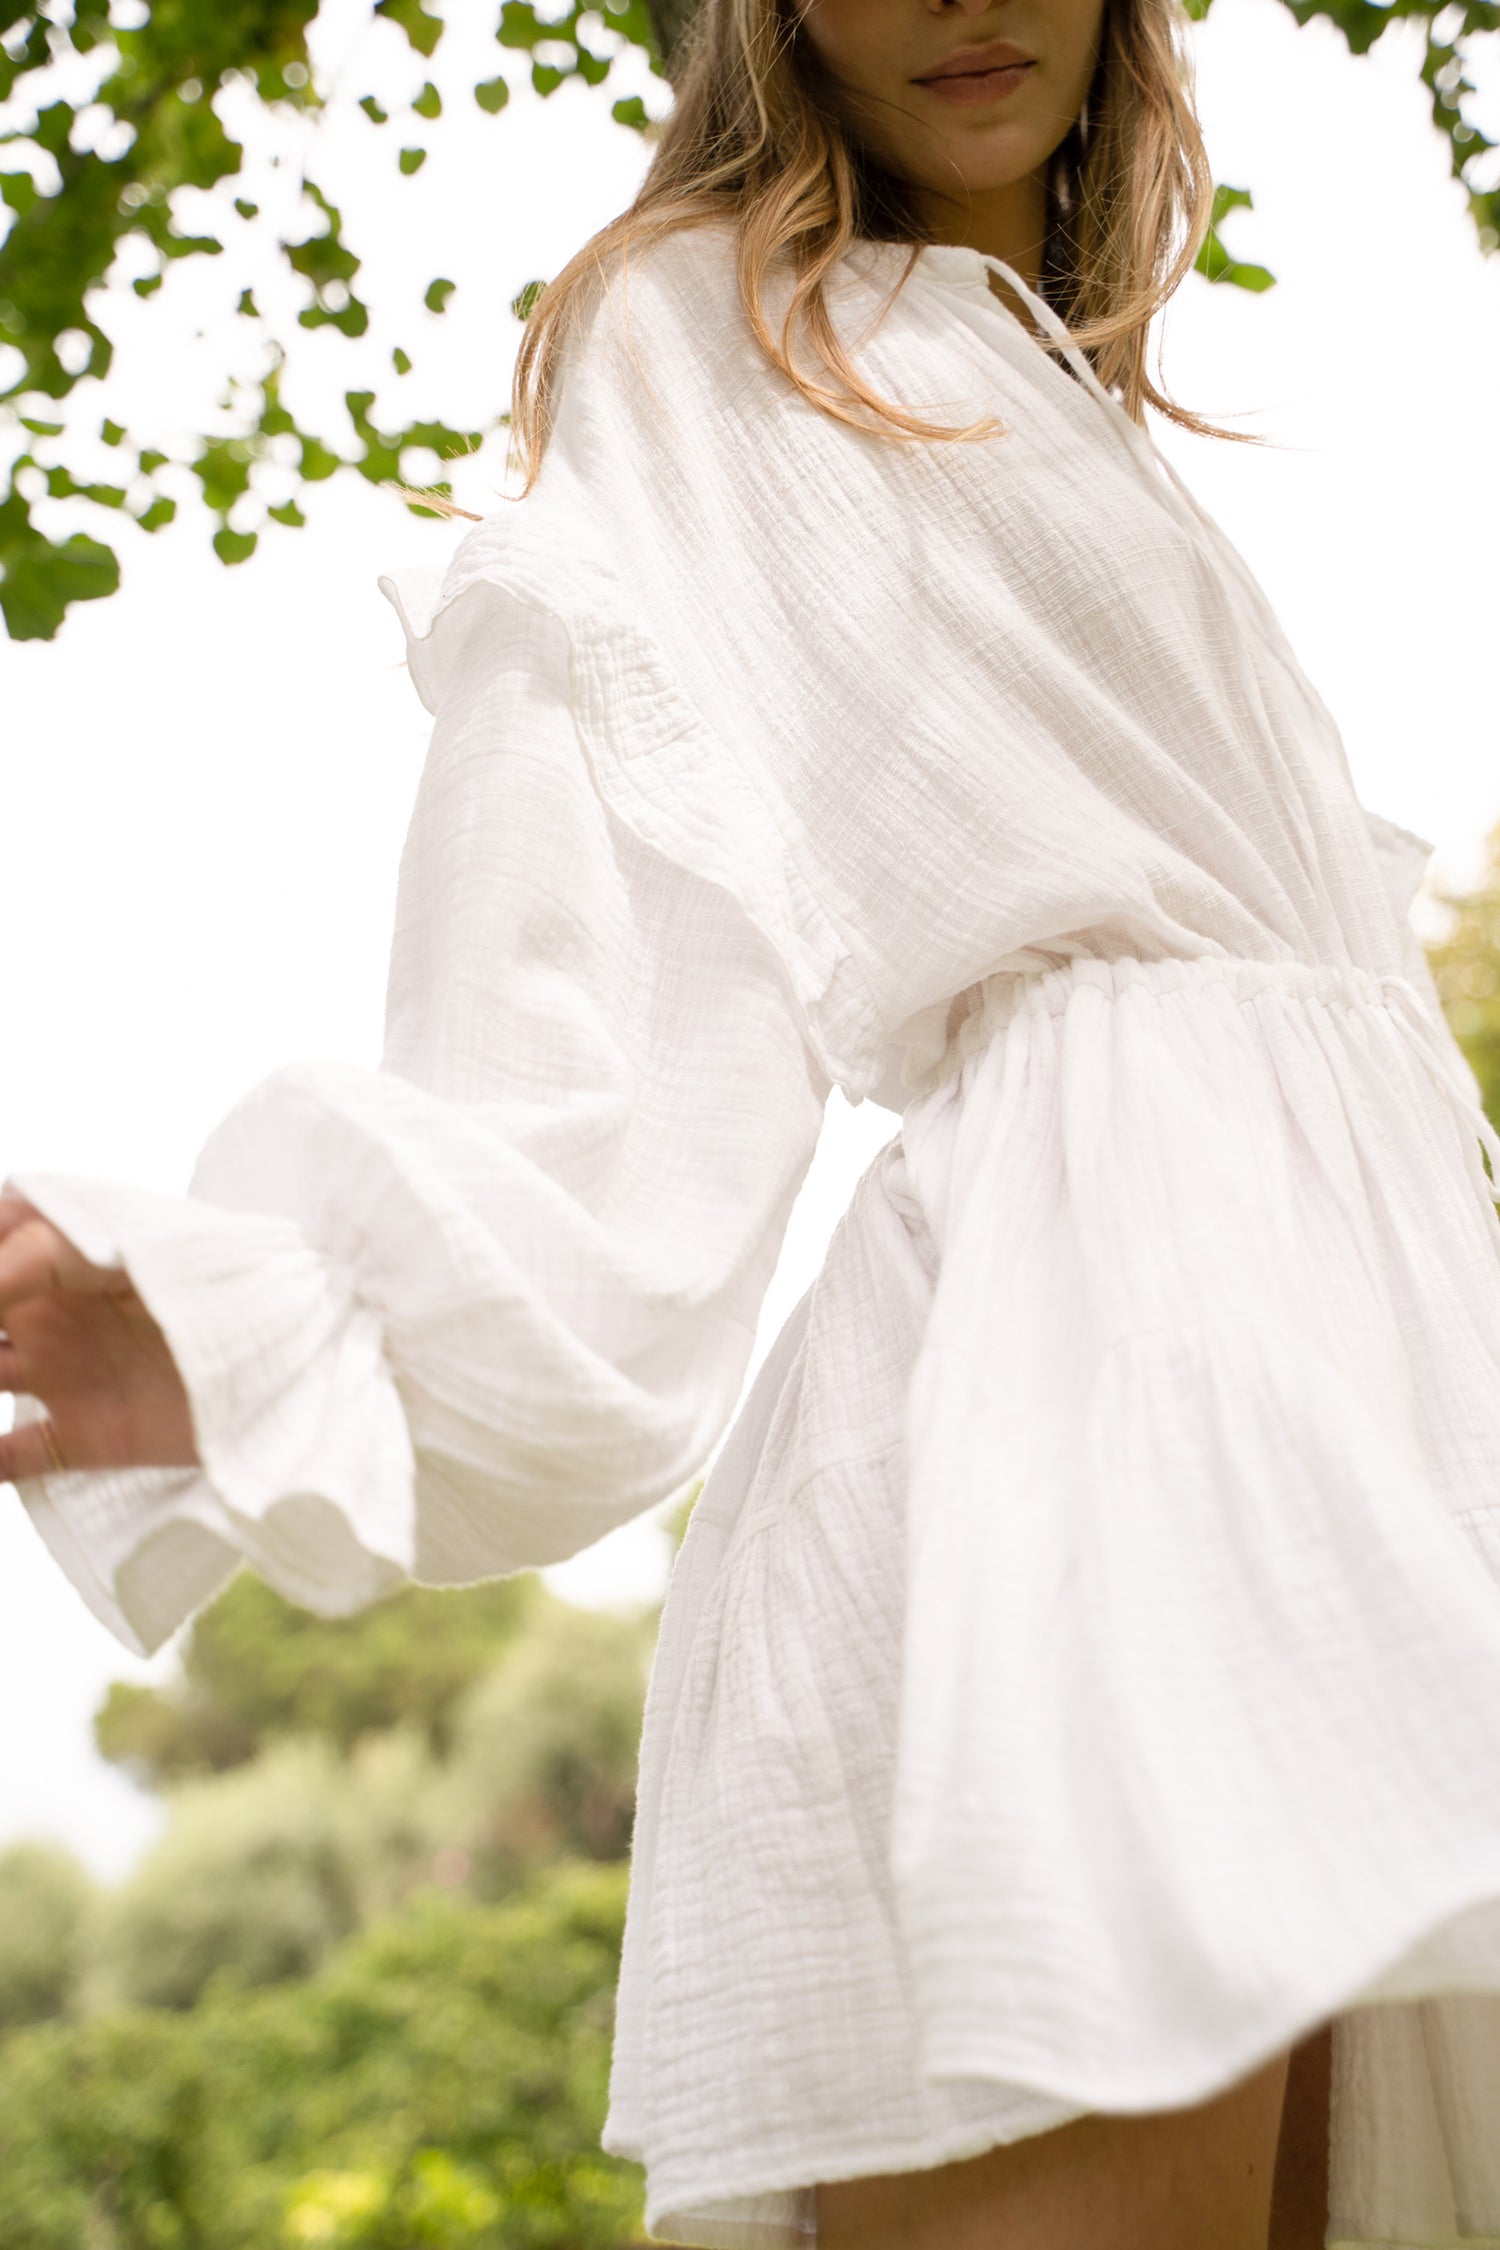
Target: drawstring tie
{"x": 1450, "y": 1073}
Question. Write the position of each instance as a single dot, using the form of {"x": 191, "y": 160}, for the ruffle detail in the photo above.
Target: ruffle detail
{"x": 306, "y": 1461}
{"x": 1403, "y": 856}
{"x": 653, "y": 760}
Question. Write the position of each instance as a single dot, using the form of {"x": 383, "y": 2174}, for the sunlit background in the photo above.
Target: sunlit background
{"x": 206, "y": 779}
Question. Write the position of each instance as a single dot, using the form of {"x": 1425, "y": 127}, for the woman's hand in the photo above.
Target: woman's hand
{"x": 77, "y": 1337}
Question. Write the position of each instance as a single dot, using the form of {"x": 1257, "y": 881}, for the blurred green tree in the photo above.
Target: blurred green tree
{"x": 264, "y": 1867}
{"x": 544, "y": 1748}
{"x": 441, "y": 2081}
{"x": 128, "y": 121}
{"x": 251, "y": 1882}
{"x": 255, "y": 1669}
{"x": 45, "y": 1902}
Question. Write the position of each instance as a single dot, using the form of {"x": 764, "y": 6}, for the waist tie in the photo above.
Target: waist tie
{"x": 1450, "y": 1073}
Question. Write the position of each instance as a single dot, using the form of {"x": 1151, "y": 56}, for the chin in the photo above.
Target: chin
{"x": 977, "y": 179}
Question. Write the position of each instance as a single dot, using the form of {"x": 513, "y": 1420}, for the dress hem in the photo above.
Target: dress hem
{"x": 678, "y": 2207}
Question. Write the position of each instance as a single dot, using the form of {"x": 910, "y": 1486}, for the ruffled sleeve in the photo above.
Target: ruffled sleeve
{"x": 460, "y": 1315}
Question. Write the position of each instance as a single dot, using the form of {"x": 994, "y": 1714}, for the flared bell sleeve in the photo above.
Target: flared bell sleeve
{"x": 460, "y": 1315}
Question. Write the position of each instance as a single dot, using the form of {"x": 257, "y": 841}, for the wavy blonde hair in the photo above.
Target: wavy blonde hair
{"x": 756, "y": 137}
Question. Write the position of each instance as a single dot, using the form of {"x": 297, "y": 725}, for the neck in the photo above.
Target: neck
{"x": 1006, "y": 222}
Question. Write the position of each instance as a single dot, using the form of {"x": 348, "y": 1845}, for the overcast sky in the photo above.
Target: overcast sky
{"x": 206, "y": 780}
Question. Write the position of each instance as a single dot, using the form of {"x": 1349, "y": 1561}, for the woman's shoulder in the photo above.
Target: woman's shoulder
{"x": 677, "y": 289}
{"x": 668, "y": 342}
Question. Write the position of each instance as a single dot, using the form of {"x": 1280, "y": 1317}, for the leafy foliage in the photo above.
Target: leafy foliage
{"x": 1448, "y": 28}
{"x": 361, "y": 1993}
{"x": 94, "y": 194}
{"x": 45, "y": 1900}
{"x": 438, "y": 2084}
{"x": 544, "y": 1748}
{"x": 126, "y": 123}
{"x": 256, "y": 1670}
{"x": 1214, "y": 262}
{"x": 264, "y": 1868}
{"x": 252, "y": 1883}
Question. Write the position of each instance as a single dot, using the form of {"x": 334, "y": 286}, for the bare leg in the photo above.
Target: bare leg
{"x": 1195, "y": 2179}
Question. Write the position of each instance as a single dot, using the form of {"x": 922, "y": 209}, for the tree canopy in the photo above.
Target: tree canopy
{"x": 360, "y": 1992}
{"x": 126, "y": 126}
{"x": 437, "y": 2084}
{"x": 255, "y": 1669}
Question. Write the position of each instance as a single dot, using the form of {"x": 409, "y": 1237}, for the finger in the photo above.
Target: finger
{"x": 14, "y": 1211}
{"x": 24, "y": 1453}
{"x": 12, "y": 1373}
{"x": 35, "y": 1257}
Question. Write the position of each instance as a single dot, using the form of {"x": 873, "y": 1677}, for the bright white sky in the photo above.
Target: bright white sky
{"x": 206, "y": 780}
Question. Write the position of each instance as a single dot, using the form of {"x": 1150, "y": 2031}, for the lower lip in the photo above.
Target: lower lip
{"x": 978, "y": 86}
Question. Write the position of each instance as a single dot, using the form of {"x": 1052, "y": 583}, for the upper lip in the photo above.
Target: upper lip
{"x": 965, "y": 62}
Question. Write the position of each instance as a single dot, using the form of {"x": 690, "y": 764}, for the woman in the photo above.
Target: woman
{"x": 1080, "y": 1681}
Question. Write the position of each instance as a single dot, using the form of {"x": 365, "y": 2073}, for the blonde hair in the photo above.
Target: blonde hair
{"x": 755, "y": 137}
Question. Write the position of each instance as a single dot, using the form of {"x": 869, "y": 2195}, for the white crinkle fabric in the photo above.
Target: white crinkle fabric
{"x": 1081, "y": 1675}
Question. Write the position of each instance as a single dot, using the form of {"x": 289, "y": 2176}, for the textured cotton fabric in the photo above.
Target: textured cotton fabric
{"x": 1081, "y": 1675}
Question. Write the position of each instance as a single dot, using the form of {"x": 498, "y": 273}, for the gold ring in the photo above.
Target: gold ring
{"x": 54, "y": 1454}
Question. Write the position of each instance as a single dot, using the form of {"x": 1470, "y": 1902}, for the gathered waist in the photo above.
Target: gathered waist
{"x": 999, "y": 1000}
{"x": 1051, "y": 988}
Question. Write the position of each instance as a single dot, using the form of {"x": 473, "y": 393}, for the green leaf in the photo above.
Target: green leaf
{"x": 288, "y": 513}
{"x": 546, "y": 79}
{"x": 492, "y": 94}
{"x": 429, "y": 103}
{"x": 518, "y": 26}
{"x": 323, "y": 257}
{"x": 1256, "y": 279}
{"x": 631, "y": 111}
{"x": 1215, "y": 263}
{"x": 233, "y": 546}
{"x": 411, "y": 160}
{"x": 247, "y": 308}
{"x": 401, "y": 361}
{"x": 1227, "y": 199}
{"x": 351, "y": 319}
{"x": 43, "y": 578}
{"x": 317, "y": 461}
{"x": 110, "y": 432}
{"x": 373, "y": 110}
{"x": 40, "y": 429}
{"x": 161, "y": 511}
{"x": 437, "y": 295}
{"x": 62, "y": 485}
{"x": 19, "y": 190}
{"x": 422, "y": 30}
{"x": 521, "y": 304}
{"x": 245, "y": 208}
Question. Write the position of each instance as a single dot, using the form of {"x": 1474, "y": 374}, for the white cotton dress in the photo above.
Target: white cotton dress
{"x": 1081, "y": 1675}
